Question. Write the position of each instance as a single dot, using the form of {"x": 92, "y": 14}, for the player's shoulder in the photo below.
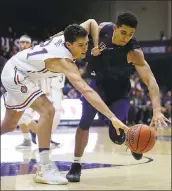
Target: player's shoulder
{"x": 59, "y": 50}
{"x": 105, "y": 26}
{"x": 58, "y": 39}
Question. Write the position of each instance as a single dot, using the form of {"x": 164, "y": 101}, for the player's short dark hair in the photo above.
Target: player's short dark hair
{"x": 127, "y": 18}
{"x": 72, "y": 32}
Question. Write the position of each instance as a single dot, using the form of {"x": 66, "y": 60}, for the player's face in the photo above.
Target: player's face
{"x": 79, "y": 47}
{"x": 24, "y": 45}
{"x": 122, "y": 35}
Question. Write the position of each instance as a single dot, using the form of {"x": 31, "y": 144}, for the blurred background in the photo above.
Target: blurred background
{"x": 42, "y": 19}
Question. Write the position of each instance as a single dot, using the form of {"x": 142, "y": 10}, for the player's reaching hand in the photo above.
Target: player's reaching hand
{"x": 119, "y": 125}
{"x": 159, "y": 121}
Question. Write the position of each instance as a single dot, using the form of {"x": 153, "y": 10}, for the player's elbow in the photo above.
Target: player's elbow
{"x": 91, "y": 21}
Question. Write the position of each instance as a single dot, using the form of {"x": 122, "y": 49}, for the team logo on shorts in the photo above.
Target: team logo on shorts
{"x": 23, "y": 89}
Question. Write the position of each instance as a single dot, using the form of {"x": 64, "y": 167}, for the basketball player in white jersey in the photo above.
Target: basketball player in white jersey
{"x": 26, "y": 67}
{"x": 27, "y": 122}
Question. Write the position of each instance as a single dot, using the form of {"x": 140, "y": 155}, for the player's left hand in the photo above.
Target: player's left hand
{"x": 119, "y": 125}
{"x": 159, "y": 121}
{"x": 96, "y": 51}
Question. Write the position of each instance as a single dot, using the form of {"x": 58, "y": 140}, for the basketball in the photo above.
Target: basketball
{"x": 141, "y": 138}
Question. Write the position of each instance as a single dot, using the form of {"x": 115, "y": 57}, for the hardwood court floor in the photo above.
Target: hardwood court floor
{"x": 105, "y": 166}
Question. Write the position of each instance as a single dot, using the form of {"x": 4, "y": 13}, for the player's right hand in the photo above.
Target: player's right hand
{"x": 119, "y": 125}
{"x": 96, "y": 51}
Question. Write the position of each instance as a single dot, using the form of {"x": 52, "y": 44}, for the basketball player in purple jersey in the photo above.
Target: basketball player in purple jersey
{"x": 119, "y": 55}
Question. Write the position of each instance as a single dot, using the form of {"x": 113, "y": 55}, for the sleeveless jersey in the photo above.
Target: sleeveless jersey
{"x": 111, "y": 67}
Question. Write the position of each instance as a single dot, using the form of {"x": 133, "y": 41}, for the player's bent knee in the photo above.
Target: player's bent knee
{"x": 44, "y": 107}
{"x": 49, "y": 111}
{"x": 85, "y": 128}
{"x": 84, "y": 124}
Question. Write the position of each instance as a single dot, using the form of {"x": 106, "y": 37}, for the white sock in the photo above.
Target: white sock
{"x": 44, "y": 157}
{"x": 27, "y": 136}
{"x": 77, "y": 160}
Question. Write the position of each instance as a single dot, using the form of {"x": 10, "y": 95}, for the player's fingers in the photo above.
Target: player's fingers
{"x": 167, "y": 120}
{"x": 95, "y": 52}
{"x": 157, "y": 124}
{"x": 117, "y": 131}
{"x": 163, "y": 123}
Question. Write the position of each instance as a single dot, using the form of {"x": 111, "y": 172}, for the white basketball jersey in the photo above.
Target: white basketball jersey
{"x": 31, "y": 61}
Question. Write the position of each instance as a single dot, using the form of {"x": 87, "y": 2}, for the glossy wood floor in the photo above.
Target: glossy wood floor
{"x": 106, "y": 166}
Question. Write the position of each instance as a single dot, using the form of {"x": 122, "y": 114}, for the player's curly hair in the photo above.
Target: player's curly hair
{"x": 72, "y": 32}
{"x": 127, "y": 18}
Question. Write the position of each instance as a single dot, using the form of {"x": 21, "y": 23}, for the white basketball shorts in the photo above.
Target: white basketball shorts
{"x": 21, "y": 90}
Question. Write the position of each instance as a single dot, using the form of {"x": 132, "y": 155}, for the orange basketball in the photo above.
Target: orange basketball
{"x": 140, "y": 138}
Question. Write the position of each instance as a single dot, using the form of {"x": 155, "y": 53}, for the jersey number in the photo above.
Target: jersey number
{"x": 43, "y": 51}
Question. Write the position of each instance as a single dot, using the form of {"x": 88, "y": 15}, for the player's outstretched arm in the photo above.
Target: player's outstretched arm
{"x": 92, "y": 27}
{"x": 71, "y": 72}
{"x": 145, "y": 73}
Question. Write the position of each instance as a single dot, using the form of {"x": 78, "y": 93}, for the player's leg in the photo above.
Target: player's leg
{"x": 24, "y": 126}
{"x": 10, "y": 120}
{"x": 26, "y": 144}
{"x": 56, "y": 97}
{"x": 12, "y": 115}
{"x": 21, "y": 94}
{"x": 56, "y": 100}
{"x": 81, "y": 140}
{"x": 45, "y": 172}
{"x": 120, "y": 108}
{"x": 33, "y": 129}
{"x": 82, "y": 132}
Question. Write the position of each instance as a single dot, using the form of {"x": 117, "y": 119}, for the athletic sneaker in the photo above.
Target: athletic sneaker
{"x": 25, "y": 145}
{"x": 49, "y": 174}
{"x": 74, "y": 173}
{"x": 137, "y": 156}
